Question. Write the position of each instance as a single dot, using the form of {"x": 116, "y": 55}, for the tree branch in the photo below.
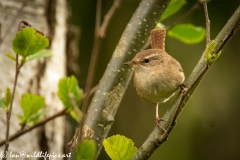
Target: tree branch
{"x": 94, "y": 57}
{"x": 21, "y": 132}
{"x": 157, "y": 137}
{"x": 108, "y": 17}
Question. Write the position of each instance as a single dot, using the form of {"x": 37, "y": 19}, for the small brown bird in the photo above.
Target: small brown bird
{"x": 157, "y": 76}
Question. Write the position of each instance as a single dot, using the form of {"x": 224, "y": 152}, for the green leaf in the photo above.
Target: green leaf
{"x": 119, "y": 147}
{"x": 86, "y": 150}
{"x": 172, "y": 8}
{"x": 2, "y": 102}
{"x": 10, "y": 56}
{"x": 28, "y": 41}
{"x": 40, "y": 54}
{"x": 6, "y": 100}
{"x": 36, "y": 117}
{"x": 76, "y": 114}
{"x": 31, "y": 105}
{"x": 70, "y": 95}
{"x": 8, "y": 96}
{"x": 209, "y": 57}
{"x": 68, "y": 87}
{"x": 187, "y": 33}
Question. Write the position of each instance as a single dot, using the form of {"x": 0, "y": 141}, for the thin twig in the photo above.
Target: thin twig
{"x": 94, "y": 57}
{"x": 208, "y": 39}
{"x": 108, "y": 17}
{"x": 9, "y": 110}
{"x": 21, "y": 132}
{"x": 93, "y": 90}
{"x": 99, "y": 33}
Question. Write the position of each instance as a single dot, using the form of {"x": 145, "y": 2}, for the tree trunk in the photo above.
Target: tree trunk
{"x": 38, "y": 77}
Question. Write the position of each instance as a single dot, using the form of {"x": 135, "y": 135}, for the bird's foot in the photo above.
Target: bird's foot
{"x": 158, "y": 120}
{"x": 183, "y": 88}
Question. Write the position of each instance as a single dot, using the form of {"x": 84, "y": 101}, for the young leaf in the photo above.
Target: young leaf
{"x": 6, "y": 100}
{"x": 28, "y": 41}
{"x": 209, "y": 57}
{"x": 10, "y": 56}
{"x": 76, "y": 114}
{"x": 8, "y": 96}
{"x": 119, "y": 147}
{"x": 187, "y": 33}
{"x": 31, "y": 105}
{"x": 2, "y": 102}
{"x": 172, "y": 8}
{"x": 66, "y": 87}
{"x": 40, "y": 54}
{"x": 86, "y": 150}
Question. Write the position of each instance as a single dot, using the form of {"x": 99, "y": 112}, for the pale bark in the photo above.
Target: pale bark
{"x": 39, "y": 77}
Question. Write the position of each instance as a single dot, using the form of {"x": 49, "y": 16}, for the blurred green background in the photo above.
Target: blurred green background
{"x": 209, "y": 126}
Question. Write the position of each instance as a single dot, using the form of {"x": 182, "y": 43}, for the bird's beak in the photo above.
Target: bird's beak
{"x": 130, "y": 63}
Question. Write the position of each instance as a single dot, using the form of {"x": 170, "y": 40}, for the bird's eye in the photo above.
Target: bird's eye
{"x": 146, "y": 60}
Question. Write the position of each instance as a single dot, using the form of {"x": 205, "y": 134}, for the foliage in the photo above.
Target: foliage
{"x": 172, "y": 8}
{"x": 86, "y": 150}
{"x": 209, "y": 57}
{"x": 70, "y": 95}
{"x": 187, "y": 33}
{"x": 32, "y": 109}
{"x": 6, "y": 100}
{"x": 119, "y": 147}
{"x": 28, "y": 41}
{"x": 29, "y": 44}
{"x": 40, "y": 54}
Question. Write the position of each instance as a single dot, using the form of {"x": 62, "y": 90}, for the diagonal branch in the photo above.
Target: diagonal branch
{"x": 108, "y": 17}
{"x": 158, "y": 137}
{"x": 21, "y": 132}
